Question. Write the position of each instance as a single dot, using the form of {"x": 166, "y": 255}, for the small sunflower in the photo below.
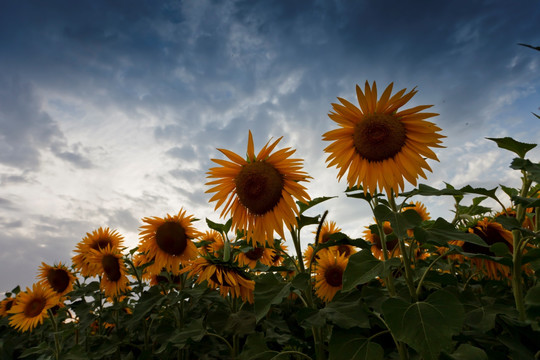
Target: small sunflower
{"x": 225, "y": 276}
{"x": 96, "y": 240}
{"x": 280, "y": 251}
{"x": 211, "y": 241}
{"x": 169, "y": 241}
{"x": 328, "y": 228}
{"x": 112, "y": 270}
{"x": 491, "y": 232}
{"x": 5, "y": 306}
{"x": 329, "y": 275}
{"x": 260, "y": 254}
{"x": 378, "y": 145}
{"x": 374, "y": 238}
{"x": 57, "y": 277}
{"x": 258, "y": 192}
{"x": 31, "y": 307}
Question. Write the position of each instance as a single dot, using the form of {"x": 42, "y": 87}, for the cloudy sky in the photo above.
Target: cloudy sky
{"x": 110, "y": 111}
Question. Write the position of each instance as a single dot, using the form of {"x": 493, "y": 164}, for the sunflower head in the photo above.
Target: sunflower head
{"x": 31, "y": 307}
{"x": 111, "y": 268}
{"x": 168, "y": 241}
{"x": 371, "y": 234}
{"x": 329, "y": 275}
{"x": 96, "y": 240}
{"x": 57, "y": 277}
{"x": 379, "y": 145}
{"x": 5, "y": 306}
{"x": 258, "y": 192}
{"x": 210, "y": 242}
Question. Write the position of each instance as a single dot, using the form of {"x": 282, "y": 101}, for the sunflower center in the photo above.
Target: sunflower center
{"x": 334, "y": 275}
{"x": 58, "y": 279}
{"x": 171, "y": 238}
{"x": 325, "y": 238}
{"x": 111, "y": 267}
{"x": 259, "y": 187}
{"x": 255, "y": 254}
{"x": 379, "y": 137}
{"x": 34, "y": 307}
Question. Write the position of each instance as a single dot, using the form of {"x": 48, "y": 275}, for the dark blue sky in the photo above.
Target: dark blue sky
{"x": 111, "y": 110}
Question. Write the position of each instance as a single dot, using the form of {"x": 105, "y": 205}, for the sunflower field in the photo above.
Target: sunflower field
{"x": 412, "y": 287}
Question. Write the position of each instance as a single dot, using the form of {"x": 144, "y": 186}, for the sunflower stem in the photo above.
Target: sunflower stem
{"x": 517, "y": 279}
{"x": 56, "y": 340}
{"x": 404, "y": 255}
{"x": 389, "y": 280}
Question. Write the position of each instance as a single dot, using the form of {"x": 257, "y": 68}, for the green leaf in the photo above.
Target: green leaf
{"x": 364, "y": 267}
{"x": 531, "y": 168}
{"x": 533, "y": 296}
{"x": 515, "y": 146}
{"x": 221, "y": 228}
{"x": 468, "y": 352}
{"x": 480, "y": 191}
{"x": 269, "y": 290}
{"x": 426, "y": 326}
{"x": 303, "y": 207}
{"x": 255, "y": 348}
{"x": 508, "y": 222}
{"x": 241, "y": 323}
{"x": 400, "y": 222}
{"x": 511, "y": 192}
{"x": 346, "y": 311}
{"x": 526, "y": 201}
{"x": 308, "y": 220}
{"x": 352, "y": 345}
{"x": 301, "y": 281}
{"x": 426, "y": 190}
{"x": 441, "y": 232}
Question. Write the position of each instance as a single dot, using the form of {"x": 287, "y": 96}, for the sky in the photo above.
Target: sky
{"x": 111, "y": 111}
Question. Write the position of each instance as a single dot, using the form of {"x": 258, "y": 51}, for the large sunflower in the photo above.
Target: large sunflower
{"x": 378, "y": 145}
{"x": 31, "y": 307}
{"x": 258, "y": 191}
{"x": 223, "y": 276}
{"x": 57, "y": 277}
{"x": 329, "y": 274}
{"x": 112, "y": 270}
{"x": 96, "y": 240}
{"x": 168, "y": 241}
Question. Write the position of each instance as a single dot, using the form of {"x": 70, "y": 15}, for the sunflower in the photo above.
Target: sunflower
{"x": 258, "y": 191}
{"x": 168, "y": 241}
{"x": 378, "y": 145}
{"x": 491, "y": 232}
{"x": 211, "y": 242}
{"x": 260, "y": 254}
{"x": 57, "y": 277}
{"x": 5, "y": 306}
{"x": 225, "y": 276}
{"x": 371, "y": 234}
{"x": 329, "y": 275}
{"x": 112, "y": 270}
{"x": 97, "y": 239}
{"x": 328, "y": 228}
{"x": 30, "y": 307}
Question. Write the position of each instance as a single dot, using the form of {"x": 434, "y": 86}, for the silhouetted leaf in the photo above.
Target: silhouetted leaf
{"x": 515, "y": 146}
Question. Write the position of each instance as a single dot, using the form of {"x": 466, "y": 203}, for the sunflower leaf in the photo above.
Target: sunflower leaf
{"x": 509, "y": 223}
{"x": 441, "y": 232}
{"x": 269, "y": 290}
{"x": 480, "y": 191}
{"x": 353, "y": 345}
{"x": 400, "y": 222}
{"x": 527, "y": 202}
{"x": 364, "y": 267}
{"x": 515, "y": 146}
{"x": 303, "y": 206}
{"x": 426, "y": 190}
{"x": 468, "y": 352}
{"x": 427, "y": 326}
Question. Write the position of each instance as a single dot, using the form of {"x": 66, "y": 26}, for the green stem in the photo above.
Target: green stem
{"x": 222, "y": 339}
{"x": 56, "y": 340}
{"x": 389, "y": 280}
{"x": 517, "y": 280}
{"x": 419, "y": 287}
{"x": 404, "y": 255}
